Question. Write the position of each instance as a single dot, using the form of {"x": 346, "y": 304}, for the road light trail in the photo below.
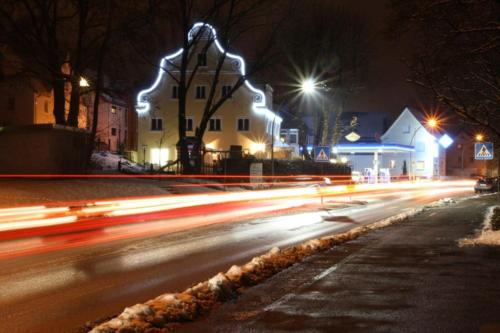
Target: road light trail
{"x": 110, "y": 220}
{"x": 151, "y": 208}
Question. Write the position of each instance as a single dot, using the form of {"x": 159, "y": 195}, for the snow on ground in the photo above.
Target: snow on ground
{"x": 30, "y": 191}
{"x": 108, "y": 161}
{"x": 487, "y": 236}
{"x": 166, "y": 310}
{"x": 15, "y": 192}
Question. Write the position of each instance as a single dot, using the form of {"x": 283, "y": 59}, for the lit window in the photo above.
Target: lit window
{"x": 202, "y": 59}
{"x": 200, "y": 92}
{"x": 156, "y": 124}
{"x": 113, "y": 109}
{"x": 243, "y": 124}
{"x": 214, "y": 125}
{"x": 159, "y": 156}
{"x": 189, "y": 124}
{"x": 175, "y": 92}
{"x": 226, "y": 90}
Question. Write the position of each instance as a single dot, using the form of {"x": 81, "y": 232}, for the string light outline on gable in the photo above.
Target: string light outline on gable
{"x": 258, "y": 107}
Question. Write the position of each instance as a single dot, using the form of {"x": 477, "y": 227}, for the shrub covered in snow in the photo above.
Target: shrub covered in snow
{"x": 490, "y": 234}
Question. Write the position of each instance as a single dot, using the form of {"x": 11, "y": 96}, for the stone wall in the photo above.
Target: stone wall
{"x": 43, "y": 149}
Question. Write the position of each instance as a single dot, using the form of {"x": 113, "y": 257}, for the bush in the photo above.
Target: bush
{"x": 241, "y": 166}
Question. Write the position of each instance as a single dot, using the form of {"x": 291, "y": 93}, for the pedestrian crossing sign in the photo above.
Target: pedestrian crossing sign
{"x": 483, "y": 151}
{"x": 322, "y": 154}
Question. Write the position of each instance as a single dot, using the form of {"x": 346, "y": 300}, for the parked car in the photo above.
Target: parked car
{"x": 486, "y": 184}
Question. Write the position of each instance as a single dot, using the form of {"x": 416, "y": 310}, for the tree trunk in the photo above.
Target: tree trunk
{"x": 98, "y": 84}
{"x": 326, "y": 123}
{"x": 196, "y": 154}
{"x": 74, "y": 104}
{"x": 59, "y": 100}
{"x": 337, "y": 127}
{"x": 182, "y": 143}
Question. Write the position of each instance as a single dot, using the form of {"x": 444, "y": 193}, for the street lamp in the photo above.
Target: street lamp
{"x": 431, "y": 122}
{"x": 479, "y": 137}
{"x": 309, "y": 87}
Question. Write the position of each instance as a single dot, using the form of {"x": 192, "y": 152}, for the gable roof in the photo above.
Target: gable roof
{"x": 259, "y": 100}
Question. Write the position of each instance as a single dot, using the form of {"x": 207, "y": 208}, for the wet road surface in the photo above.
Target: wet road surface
{"x": 410, "y": 277}
{"x": 59, "y": 291}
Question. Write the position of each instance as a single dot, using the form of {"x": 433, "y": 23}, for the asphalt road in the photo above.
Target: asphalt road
{"x": 410, "y": 277}
{"x": 58, "y": 291}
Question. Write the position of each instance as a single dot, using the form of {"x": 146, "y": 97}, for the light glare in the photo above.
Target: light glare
{"x": 308, "y": 86}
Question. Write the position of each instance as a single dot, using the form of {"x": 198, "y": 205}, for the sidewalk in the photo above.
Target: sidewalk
{"x": 410, "y": 277}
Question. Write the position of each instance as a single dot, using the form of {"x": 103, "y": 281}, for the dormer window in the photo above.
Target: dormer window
{"x": 202, "y": 59}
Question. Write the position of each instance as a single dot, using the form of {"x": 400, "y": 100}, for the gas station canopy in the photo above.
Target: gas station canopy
{"x": 372, "y": 148}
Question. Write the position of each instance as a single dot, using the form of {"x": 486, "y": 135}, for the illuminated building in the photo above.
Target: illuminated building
{"x": 245, "y": 119}
{"x": 408, "y": 148}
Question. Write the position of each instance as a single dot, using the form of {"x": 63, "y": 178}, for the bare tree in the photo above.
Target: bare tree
{"x": 329, "y": 43}
{"x": 454, "y": 55}
{"x": 34, "y": 33}
{"x": 235, "y": 20}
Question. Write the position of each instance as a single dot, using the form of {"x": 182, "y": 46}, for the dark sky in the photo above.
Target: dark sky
{"x": 387, "y": 90}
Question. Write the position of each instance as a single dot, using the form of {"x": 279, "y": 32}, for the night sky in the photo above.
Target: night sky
{"x": 386, "y": 91}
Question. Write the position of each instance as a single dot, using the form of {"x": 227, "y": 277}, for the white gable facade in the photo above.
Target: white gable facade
{"x": 245, "y": 119}
{"x": 427, "y": 159}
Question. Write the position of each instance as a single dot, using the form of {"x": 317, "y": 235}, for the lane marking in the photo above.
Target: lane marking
{"x": 324, "y": 273}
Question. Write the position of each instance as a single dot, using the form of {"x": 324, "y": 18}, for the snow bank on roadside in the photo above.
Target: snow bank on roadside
{"x": 108, "y": 161}
{"x": 167, "y": 309}
{"x": 487, "y": 236}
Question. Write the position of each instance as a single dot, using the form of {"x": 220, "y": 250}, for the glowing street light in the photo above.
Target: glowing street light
{"x": 308, "y": 86}
{"x": 432, "y": 122}
{"x": 479, "y": 137}
{"x": 84, "y": 82}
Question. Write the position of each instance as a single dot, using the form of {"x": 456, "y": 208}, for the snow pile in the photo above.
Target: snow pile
{"x": 108, "y": 161}
{"x": 487, "y": 235}
{"x": 166, "y": 310}
{"x": 442, "y": 203}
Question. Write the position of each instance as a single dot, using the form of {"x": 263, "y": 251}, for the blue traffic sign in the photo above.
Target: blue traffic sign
{"x": 322, "y": 154}
{"x": 483, "y": 151}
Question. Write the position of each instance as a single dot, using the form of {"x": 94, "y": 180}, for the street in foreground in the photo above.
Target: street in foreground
{"x": 61, "y": 290}
{"x": 410, "y": 277}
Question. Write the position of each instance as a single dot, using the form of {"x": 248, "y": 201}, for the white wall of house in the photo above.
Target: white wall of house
{"x": 428, "y": 158}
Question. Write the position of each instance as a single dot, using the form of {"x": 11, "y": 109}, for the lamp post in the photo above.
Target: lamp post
{"x": 480, "y": 138}
{"x": 309, "y": 87}
{"x": 272, "y": 142}
{"x": 431, "y": 123}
